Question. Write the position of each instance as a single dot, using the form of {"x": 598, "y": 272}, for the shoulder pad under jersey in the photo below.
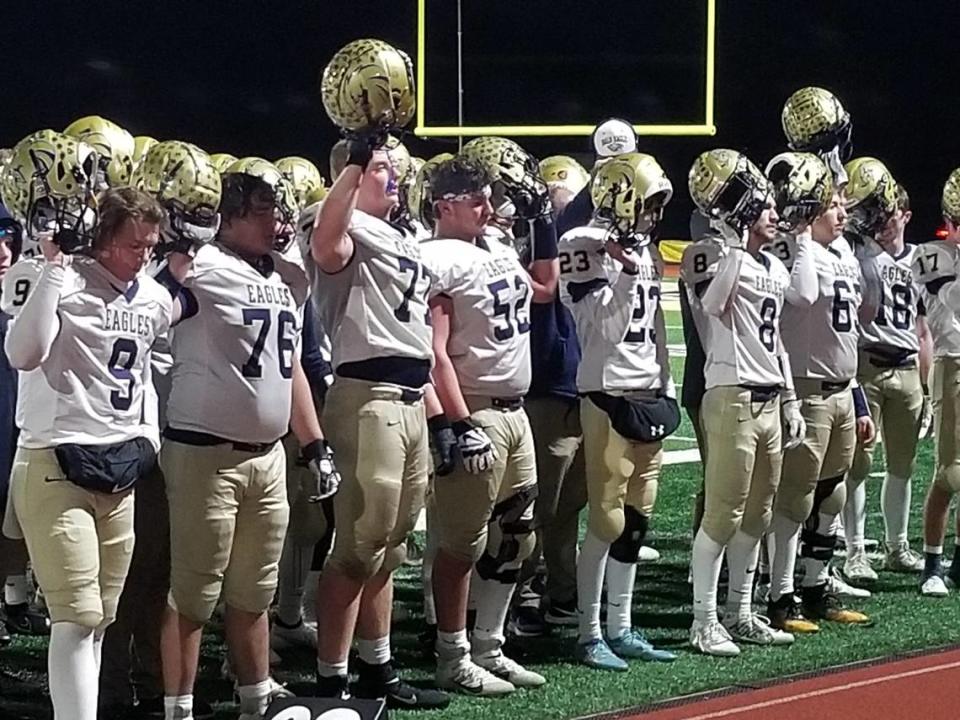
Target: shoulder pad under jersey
{"x": 700, "y": 261}
{"x": 582, "y": 255}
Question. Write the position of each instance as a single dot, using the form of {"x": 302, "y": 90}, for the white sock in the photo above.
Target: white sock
{"x": 707, "y": 558}
{"x": 590, "y": 571}
{"x": 98, "y": 647}
{"x": 815, "y": 572}
{"x": 786, "y": 540}
{"x": 742, "y": 552}
{"x": 374, "y": 652}
{"x": 16, "y": 590}
{"x": 895, "y": 503}
{"x": 254, "y": 699}
{"x": 334, "y": 669}
{"x": 493, "y": 604}
{"x": 72, "y": 666}
{"x": 178, "y": 707}
{"x": 620, "y": 577}
{"x": 295, "y": 564}
{"x": 855, "y": 514}
{"x": 452, "y": 644}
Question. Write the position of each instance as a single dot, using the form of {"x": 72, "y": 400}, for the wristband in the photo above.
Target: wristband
{"x": 437, "y": 423}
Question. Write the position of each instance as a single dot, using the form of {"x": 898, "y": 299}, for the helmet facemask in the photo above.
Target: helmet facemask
{"x": 72, "y": 221}
{"x": 739, "y": 204}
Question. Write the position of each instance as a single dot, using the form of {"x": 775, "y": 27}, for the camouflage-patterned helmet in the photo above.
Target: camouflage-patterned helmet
{"x": 870, "y": 195}
{"x": 221, "y": 161}
{"x": 399, "y": 159}
{"x": 802, "y": 187}
{"x": 950, "y": 201}
{"x": 49, "y": 184}
{"x": 367, "y": 85}
{"x": 141, "y": 146}
{"x": 725, "y": 185}
{"x": 114, "y": 147}
{"x": 303, "y": 175}
{"x": 421, "y": 197}
{"x": 629, "y": 194}
{"x": 814, "y": 120}
{"x": 564, "y": 170}
{"x": 182, "y": 178}
{"x": 517, "y": 175}
{"x": 284, "y": 197}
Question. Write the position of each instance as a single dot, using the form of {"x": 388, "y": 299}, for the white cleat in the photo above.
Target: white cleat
{"x": 838, "y": 586}
{"x": 756, "y": 631}
{"x": 934, "y": 586}
{"x": 712, "y": 638}
{"x": 510, "y": 670}
{"x": 303, "y": 635}
{"x": 464, "y": 676}
{"x": 857, "y": 568}
{"x": 648, "y": 554}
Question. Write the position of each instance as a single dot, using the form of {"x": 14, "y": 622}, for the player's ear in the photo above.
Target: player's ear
{"x": 907, "y": 216}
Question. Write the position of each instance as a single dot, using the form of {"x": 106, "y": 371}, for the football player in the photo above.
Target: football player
{"x": 553, "y": 408}
{"x": 484, "y": 508}
{"x": 182, "y": 179}
{"x": 225, "y": 466}
{"x": 85, "y": 331}
{"x": 741, "y": 409}
{"x": 936, "y": 266}
{"x": 893, "y": 366}
{"x": 821, "y": 341}
{"x": 373, "y": 301}
{"x": 612, "y": 287}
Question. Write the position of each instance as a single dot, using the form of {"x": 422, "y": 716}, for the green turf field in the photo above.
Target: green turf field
{"x": 903, "y": 621}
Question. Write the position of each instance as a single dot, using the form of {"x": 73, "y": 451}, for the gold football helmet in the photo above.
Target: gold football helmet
{"x": 814, "y": 120}
{"x": 629, "y": 194}
{"x": 141, "y": 146}
{"x": 237, "y": 182}
{"x": 308, "y": 184}
{"x": 221, "y": 161}
{"x": 518, "y": 191}
{"x": 950, "y": 201}
{"x": 49, "y": 185}
{"x": 368, "y": 85}
{"x": 870, "y": 196}
{"x": 564, "y": 170}
{"x": 114, "y": 147}
{"x": 421, "y": 196}
{"x": 183, "y": 179}
{"x": 727, "y": 187}
{"x": 802, "y": 186}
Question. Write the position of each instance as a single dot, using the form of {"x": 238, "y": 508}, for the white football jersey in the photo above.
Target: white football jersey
{"x": 617, "y": 314}
{"x": 895, "y": 327}
{"x": 938, "y": 264}
{"x": 18, "y": 283}
{"x": 377, "y": 305}
{"x": 744, "y": 341}
{"x": 490, "y": 291}
{"x": 233, "y": 358}
{"x": 821, "y": 339}
{"x": 93, "y": 387}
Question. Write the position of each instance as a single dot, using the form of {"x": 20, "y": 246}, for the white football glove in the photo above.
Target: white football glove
{"x": 319, "y": 457}
{"x": 476, "y": 449}
{"x": 794, "y": 426}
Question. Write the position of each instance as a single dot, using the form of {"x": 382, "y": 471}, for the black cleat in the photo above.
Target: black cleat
{"x": 382, "y": 681}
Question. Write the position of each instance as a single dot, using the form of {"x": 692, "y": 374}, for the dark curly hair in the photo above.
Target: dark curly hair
{"x": 458, "y": 176}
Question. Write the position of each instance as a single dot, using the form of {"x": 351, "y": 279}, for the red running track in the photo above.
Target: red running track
{"x": 926, "y": 687}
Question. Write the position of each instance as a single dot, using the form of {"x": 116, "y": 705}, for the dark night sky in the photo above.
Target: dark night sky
{"x": 241, "y": 76}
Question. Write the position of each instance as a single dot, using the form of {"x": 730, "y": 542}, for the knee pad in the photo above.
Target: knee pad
{"x": 510, "y": 539}
{"x": 626, "y": 548}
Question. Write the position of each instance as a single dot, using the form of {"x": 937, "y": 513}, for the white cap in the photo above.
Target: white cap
{"x": 614, "y": 137}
